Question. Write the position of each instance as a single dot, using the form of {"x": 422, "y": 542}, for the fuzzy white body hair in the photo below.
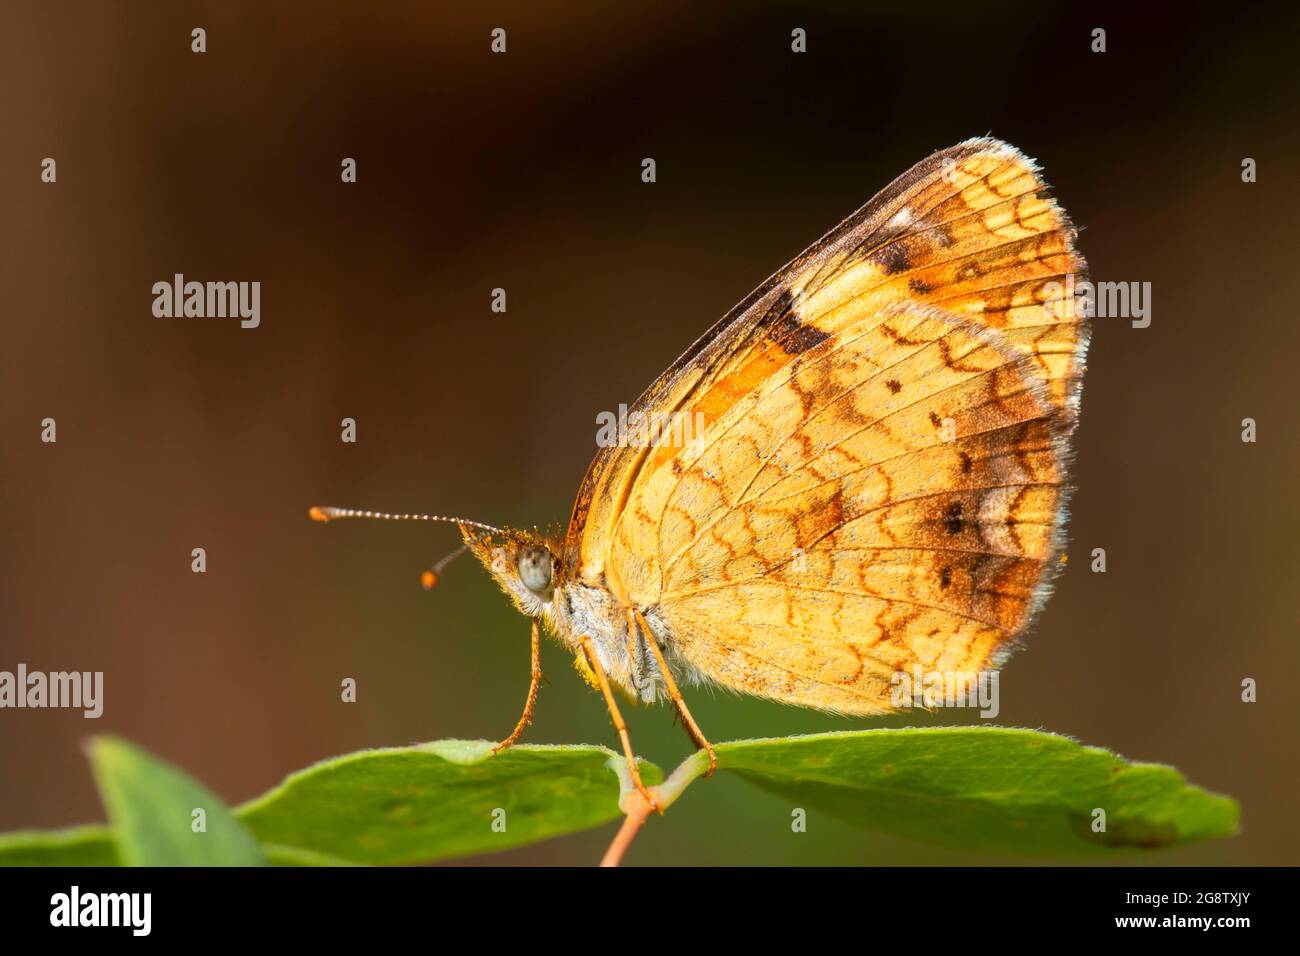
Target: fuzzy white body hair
{"x": 579, "y": 609}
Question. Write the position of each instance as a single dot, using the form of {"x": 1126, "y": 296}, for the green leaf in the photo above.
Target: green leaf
{"x": 90, "y": 845}
{"x": 396, "y": 805}
{"x": 150, "y": 805}
{"x": 93, "y": 845}
{"x": 439, "y": 800}
{"x": 985, "y": 788}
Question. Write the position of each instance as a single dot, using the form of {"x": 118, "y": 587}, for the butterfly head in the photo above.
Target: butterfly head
{"x": 525, "y": 564}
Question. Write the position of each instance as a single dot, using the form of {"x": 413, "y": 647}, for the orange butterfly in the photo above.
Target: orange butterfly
{"x": 878, "y": 479}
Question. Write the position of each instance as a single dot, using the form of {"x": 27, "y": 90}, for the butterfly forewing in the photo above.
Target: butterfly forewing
{"x": 881, "y": 478}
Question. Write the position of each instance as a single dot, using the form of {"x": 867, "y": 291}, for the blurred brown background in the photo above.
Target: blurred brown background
{"x": 522, "y": 171}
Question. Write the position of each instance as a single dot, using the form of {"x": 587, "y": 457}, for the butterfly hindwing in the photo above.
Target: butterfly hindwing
{"x": 891, "y": 500}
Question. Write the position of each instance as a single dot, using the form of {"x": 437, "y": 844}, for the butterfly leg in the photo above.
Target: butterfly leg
{"x": 635, "y": 617}
{"x": 533, "y": 686}
{"x": 596, "y": 668}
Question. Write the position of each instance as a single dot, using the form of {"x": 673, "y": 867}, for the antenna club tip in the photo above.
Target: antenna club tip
{"x": 317, "y": 513}
{"x": 429, "y": 580}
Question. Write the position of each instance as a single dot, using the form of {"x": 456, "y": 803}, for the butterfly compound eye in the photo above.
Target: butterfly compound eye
{"x": 535, "y": 569}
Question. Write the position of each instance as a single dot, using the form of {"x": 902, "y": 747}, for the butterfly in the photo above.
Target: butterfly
{"x": 877, "y": 478}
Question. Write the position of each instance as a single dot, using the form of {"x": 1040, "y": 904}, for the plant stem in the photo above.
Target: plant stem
{"x": 623, "y": 839}
{"x": 636, "y": 808}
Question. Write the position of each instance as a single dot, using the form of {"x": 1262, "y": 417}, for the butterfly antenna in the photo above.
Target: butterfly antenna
{"x": 322, "y": 513}
{"x": 428, "y": 579}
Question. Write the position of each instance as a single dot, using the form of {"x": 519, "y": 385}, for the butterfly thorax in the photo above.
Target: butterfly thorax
{"x": 582, "y": 608}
